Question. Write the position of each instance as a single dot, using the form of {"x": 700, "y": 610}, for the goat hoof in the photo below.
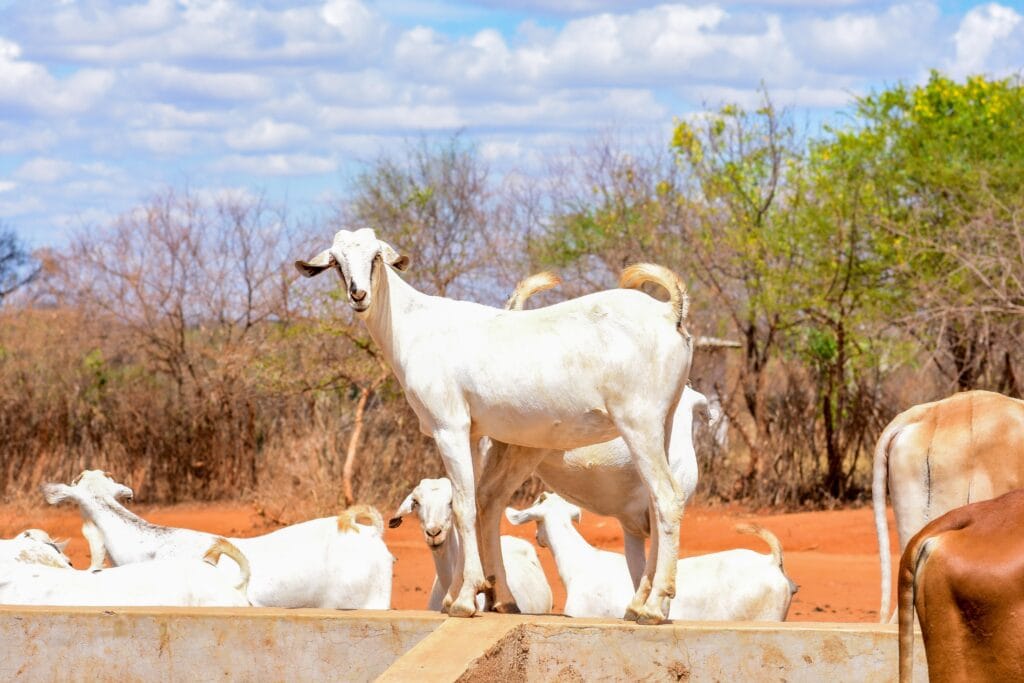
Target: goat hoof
{"x": 650, "y": 618}
{"x": 459, "y": 610}
{"x": 506, "y": 608}
{"x": 631, "y": 614}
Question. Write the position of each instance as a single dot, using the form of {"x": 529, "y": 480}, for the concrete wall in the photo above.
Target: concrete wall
{"x": 161, "y": 644}
{"x": 177, "y": 644}
{"x": 712, "y": 652}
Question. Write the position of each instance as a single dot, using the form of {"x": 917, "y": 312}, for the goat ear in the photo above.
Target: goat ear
{"x": 392, "y": 257}
{"x": 315, "y": 265}
{"x": 517, "y": 517}
{"x": 702, "y": 410}
{"x": 57, "y": 493}
{"x": 404, "y": 509}
{"x": 714, "y": 416}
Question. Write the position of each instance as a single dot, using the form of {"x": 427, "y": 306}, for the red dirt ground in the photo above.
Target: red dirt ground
{"x": 831, "y": 555}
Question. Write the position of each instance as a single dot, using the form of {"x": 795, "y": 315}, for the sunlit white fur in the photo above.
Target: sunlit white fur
{"x": 431, "y": 502}
{"x": 601, "y": 478}
{"x": 166, "y": 583}
{"x": 34, "y": 546}
{"x": 310, "y": 564}
{"x": 569, "y": 375}
{"x": 732, "y": 585}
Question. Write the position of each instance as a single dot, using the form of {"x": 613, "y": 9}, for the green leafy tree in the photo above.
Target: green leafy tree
{"x": 942, "y": 157}
{"x": 739, "y": 238}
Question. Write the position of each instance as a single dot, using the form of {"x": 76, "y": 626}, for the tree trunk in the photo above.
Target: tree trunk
{"x": 353, "y": 439}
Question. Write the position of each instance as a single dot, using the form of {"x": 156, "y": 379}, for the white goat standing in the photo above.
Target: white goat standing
{"x": 332, "y": 562}
{"x": 431, "y": 501}
{"x": 727, "y": 586}
{"x": 601, "y": 478}
{"x": 577, "y": 373}
{"x": 34, "y": 546}
{"x": 165, "y": 583}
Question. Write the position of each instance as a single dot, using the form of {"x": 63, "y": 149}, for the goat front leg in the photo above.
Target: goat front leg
{"x": 97, "y": 550}
{"x": 636, "y": 556}
{"x": 646, "y": 443}
{"x": 469, "y": 579}
{"x": 507, "y": 467}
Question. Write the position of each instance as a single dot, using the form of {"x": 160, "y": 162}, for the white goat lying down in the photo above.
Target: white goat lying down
{"x": 431, "y": 501}
{"x": 332, "y": 562}
{"x": 580, "y": 372}
{"x": 734, "y": 585}
{"x": 34, "y": 546}
{"x": 164, "y": 583}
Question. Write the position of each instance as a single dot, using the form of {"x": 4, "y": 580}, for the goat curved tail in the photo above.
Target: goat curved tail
{"x": 366, "y": 515}
{"x": 223, "y": 546}
{"x": 529, "y": 286}
{"x": 639, "y": 273}
{"x": 879, "y": 475}
{"x": 768, "y": 537}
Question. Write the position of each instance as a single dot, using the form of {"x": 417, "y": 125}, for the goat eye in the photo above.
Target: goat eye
{"x": 415, "y": 504}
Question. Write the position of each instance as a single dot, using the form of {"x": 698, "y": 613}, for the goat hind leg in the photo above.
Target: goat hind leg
{"x": 506, "y": 469}
{"x": 645, "y": 563}
{"x": 636, "y": 556}
{"x": 647, "y": 447}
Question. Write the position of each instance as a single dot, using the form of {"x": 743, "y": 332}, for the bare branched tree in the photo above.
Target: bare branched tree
{"x": 17, "y": 267}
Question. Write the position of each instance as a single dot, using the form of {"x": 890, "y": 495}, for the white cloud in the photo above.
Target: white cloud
{"x": 276, "y": 164}
{"x": 981, "y": 31}
{"x": 162, "y": 141}
{"x": 162, "y": 81}
{"x": 751, "y": 98}
{"x": 501, "y": 150}
{"x": 43, "y": 170}
{"x": 649, "y": 47}
{"x": 272, "y": 93}
{"x": 394, "y": 117}
{"x": 222, "y": 30}
{"x": 19, "y": 138}
{"x": 7, "y": 185}
{"x": 19, "y": 204}
{"x": 25, "y": 84}
{"x": 266, "y": 134}
{"x": 866, "y": 42}
{"x": 351, "y": 18}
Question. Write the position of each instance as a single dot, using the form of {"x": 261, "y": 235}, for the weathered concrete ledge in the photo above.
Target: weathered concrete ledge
{"x": 549, "y": 649}
{"x": 165, "y": 644}
{"x": 190, "y": 644}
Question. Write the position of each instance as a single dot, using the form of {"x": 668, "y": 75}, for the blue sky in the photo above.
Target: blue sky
{"x": 102, "y": 103}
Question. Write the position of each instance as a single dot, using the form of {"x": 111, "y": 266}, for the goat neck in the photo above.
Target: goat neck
{"x": 571, "y": 551}
{"x": 121, "y": 528}
{"x": 447, "y": 559}
{"x": 386, "y": 321}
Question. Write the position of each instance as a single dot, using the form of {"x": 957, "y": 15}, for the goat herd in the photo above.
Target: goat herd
{"x": 590, "y": 394}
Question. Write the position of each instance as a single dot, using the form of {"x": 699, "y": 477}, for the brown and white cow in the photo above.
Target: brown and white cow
{"x": 941, "y": 455}
{"x": 964, "y": 575}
